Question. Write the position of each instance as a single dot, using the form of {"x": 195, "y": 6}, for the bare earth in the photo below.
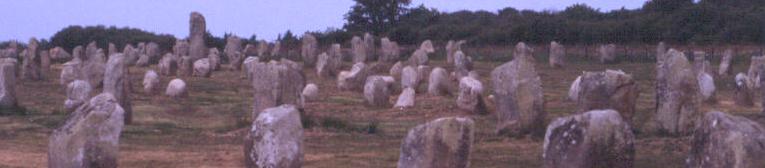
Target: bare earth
{"x": 206, "y": 129}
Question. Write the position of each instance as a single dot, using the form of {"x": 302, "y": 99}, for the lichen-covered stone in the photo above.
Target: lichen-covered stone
{"x": 723, "y": 140}
{"x": 441, "y": 143}
{"x": 597, "y": 138}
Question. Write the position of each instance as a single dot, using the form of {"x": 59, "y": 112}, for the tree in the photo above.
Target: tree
{"x": 377, "y": 16}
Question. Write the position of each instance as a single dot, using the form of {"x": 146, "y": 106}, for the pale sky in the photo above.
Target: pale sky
{"x": 22, "y": 19}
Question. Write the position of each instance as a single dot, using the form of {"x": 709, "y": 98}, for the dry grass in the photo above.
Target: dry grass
{"x": 206, "y": 129}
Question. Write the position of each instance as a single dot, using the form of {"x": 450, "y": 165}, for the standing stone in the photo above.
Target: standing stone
{"x": 176, "y": 88}
{"x": 369, "y": 45}
{"x": 518, "y": 92}
{"x": 725, "y": 62}
{"x": 31, "y": 62}
{"x": 276, "y": 83}
{"x": 197, "y": 28}
{"x": 70, "y": 71}
{"x": 116, "y": 82}
{"x": 677, "y": 101}
{"x": 202, "y": 68}
{"x": 77, "y": 93}
{"x": 8, "y": 85}
{"x": 185, "y": 66}
{"x": 131, "y": 55}
{"x": 701, "y": 64}
{"x": 153, "y": 52}
{"x": 575, "y": 89}
{"x": 376, "y": 91}
{"x": 723, "y": 140}
{"x": 250, "y": 50}
{"x": 610, "y": 89}
{"x": 214, "y": 59}
{"x": 359, "y": 49}
{"x": 557, "y": 55}
{"x": 168, "y": 65}
{"x": 248, "y": 64}
{"x": 389, "y": 51}
{"x": 143, "y": 60}
{"x": 441, "y": 143}
{"x": 756, "y": 63}
{"x": 92, "y": 69}
{"x": 409, "y": 77}
{"x": 113, "y": 49}
{"x": 462, "y": 64}
{"x": 396, "y": 69}
{"x": 598, "y": 138}
{"x": 354, "y": 79}
{"x": 151, "y": 82}
{"x": 420, "y": 56}
{"x": 90, "y": 136}
{"x": 607, "y": 53}
{"x": 181, "y": 47}
{"x": 707, "y": 87}
{"x": 742, "y": 96}
{"x": 451, "y": 48}
{"x": 328, "y": 65}
{"x": 311, "y": 92}
{"x": 309, "y": 49}
{"x": 439, "y": 83}
{"x": 405, "y": 99}
{"x": 469, "y": 98}
{"x": 275, "y": 140}
{"x": 233, "y": 52}
{"x": 44, "y": 63}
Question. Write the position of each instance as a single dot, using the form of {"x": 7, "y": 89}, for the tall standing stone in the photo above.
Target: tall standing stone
{"x": 389, "y": 51}
{"x": 309, "y": 49}
{"x": 214, "y": 59}
{"x": 233, "y": 45}
{"x": 276, "y": 83}
{"x": 451, "y": 48}
{"x": 168, "y": 65}
{"x": 77, "y": 94}
{"x": 328, "y": 64}
{"x": 117, "y": 82}
{"x": 756, "y": 63}
{"x": 598, "y": 138}
{"x": 610, "y": 89}
{"x": 369, "y": 45}
{"x": 441, "y": 143}
{"x": 153, "y": 52}
{"x": 725, "y": 62}
{"x": 359, "y": 49}
{"x": 518, "y": 95}
{"x": 723, "y": 140}
{"x": 197, "y": 28}
{"x": 678, "y": 100}
{"x": 90, "y": 136}
{"x": 30, "y": 69}
{"x": 439, "y": 83}
{"x": 181, "y": 47}
{"x": 8, "y": 85}
{"x": 557, "y": 55}
{"x": 276, "y": 139}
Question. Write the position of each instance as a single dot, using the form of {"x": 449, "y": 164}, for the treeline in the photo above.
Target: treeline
{"x": 674, "y": 21}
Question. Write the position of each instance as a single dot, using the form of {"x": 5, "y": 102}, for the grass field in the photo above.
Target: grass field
{"x": 206, "y": 129}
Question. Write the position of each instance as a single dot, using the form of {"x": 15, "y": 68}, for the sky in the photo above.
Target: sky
{"x": 23, "y": 19}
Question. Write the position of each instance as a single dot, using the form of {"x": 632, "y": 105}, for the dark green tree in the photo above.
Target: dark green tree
{"x": 376, "y": 16}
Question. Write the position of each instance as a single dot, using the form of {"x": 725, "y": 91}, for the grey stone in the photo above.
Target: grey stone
{"x": 359, "y": 49}
{"x": 441, "y": 143}
{"x": 168, "y": 65}
{"x": 406, "y": 98}
{"x": 354, "y": 79}
{"x": 607, "y": 53}
{"x": 8, "y": 100}
{"x": 557, "y": 55}
{"x": 117, "y": 83}
{"x": 276, "y": 139}
{"x": 677, "y": 95}
{"x": 77, "y": 93}
{"x": 439, "y": 83}
{"x": 723, "y": 140}
{"x": 276, "y": 83}
{"x": 609, "y": 89}
{"x": 197, "y": 29}
{"x": 598, "y": 138}
{"x": 742, "y": 95}
{"x": 519, "y": 97}
{"x": 202, "y": 68}
{"x": 176, "y": 88}
{"x": 151, "y": 82}
{"x": 725, "y": 62}
{"x": 469, "y": 98}
{"x": 311, "y": 92}
{"x": 309, "y": 49}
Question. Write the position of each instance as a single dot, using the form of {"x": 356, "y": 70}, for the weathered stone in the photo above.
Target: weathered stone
{"x": 311, "y": 92}
{"x": 742, "y": 95}
{"x": 93, "y": 69}
{"x": 575, "y": 89}
{"x": 90, "y": 136}
{"x": 359, "y": 49}
{"x": 396, "y": 69}
{"x": 462, "y": 64}
{"x": 233, "y": 52}
{"x": 30, "y": 69}
{"x": 557, "y": 55}
{"x": 725, "y": 62}
{"x": 131, "y": 54}
{"x": 168, "y": 65}
{"x": 677, "y": 97}
{"x": 409, "y": 77}
{"x": 214, "y": 59}
{"x": 354, "y": 79}
{"x": 276, "y": 83}
{"x": 276, "y": 139}
{"x": 607, "y": 53}
{"x": 8, "y": 85}
{"x": 441, "y": 143}
{"x": 117, "y": 82}
{"x": 197, "y": 29}
{"x": 58, "y": 54}
{"x": 77, "y": 93}
{"x": 153, "y": 52}
{"x": 439, "y": 83}
{"x": 376, "y": 91}
{"x": 309, "y": 49}
{"x": 151, "y": 82}
{"x": 523, "y": 52}
{"x": 185, "y": 66}
{"x": 723, "y": 140}
{"x": 518, "y": 92}
{"x": 701, "y": 64}
{"x": 405, "y": 99}
{"x": 389, "y": 51}
{"x": 610, "y": 89}
{"x": 181, "y": 47}
{"x": 262, "y": 48}
{"x": 113, "y": 49}
{"x": 176, "y": 88}
{"x": 469, "y": 96}
{"x": 143, "y": 60}
{"x": 70, "y": 71}
{"x": 420, "y": 56}
{"x": 276, "y": 51}
{"x": 328, "y": 65}
{"x": 202, "y": 68}
{"x": 451, "y": 48}
{"x": 598, "y": 138}
{"x": 369, "y": 45}
{"x": 44, "y": 64}
{"x": 707, "y": 87}
{"x": 249, "y": 62}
